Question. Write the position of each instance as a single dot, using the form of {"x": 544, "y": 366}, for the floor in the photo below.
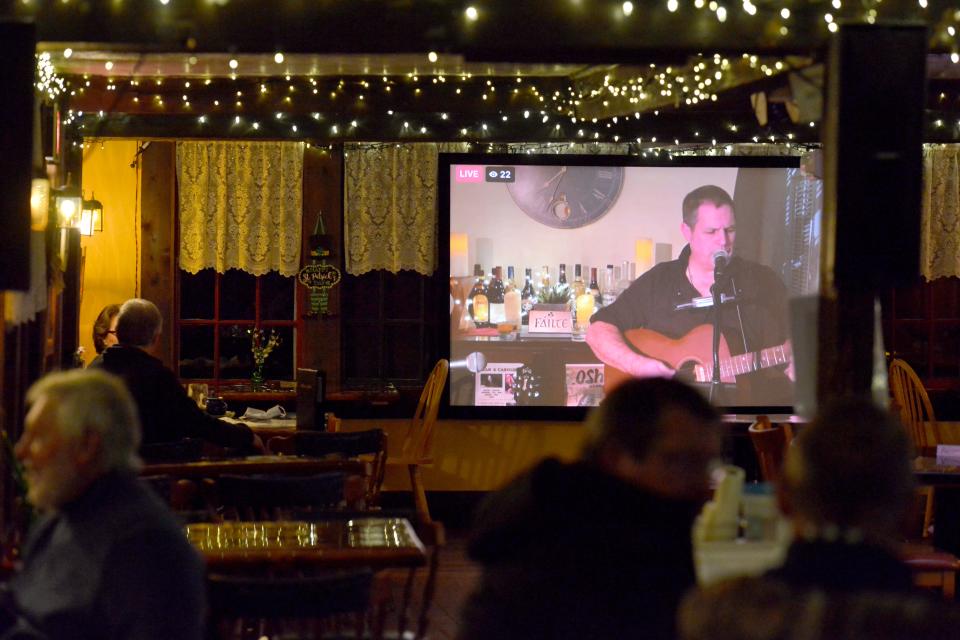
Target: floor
{"x": 455, "y": 581}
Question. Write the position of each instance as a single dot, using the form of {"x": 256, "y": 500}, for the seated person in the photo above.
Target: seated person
{"x": 601, "y": 547}
{"x": 166, "y": 412}
{"x": 848, "y": 486}
{"x": 105, "y": 331}
{"x": 107, "y": 559}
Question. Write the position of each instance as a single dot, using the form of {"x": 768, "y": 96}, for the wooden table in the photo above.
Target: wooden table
{"x": 360, "y": 542}
{"x": 286, "y": 465}
{"x": 267, "y": 429}
{"x": 946, "y": 517}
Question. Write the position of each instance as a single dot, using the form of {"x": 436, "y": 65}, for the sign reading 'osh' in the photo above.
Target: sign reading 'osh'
{"x": 544, "y": 321}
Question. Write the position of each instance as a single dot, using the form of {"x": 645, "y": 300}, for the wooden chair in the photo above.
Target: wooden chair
{"x": 179, "y": 494}
{"x": 932, "y": 568}
{"x": 433, "y": 536}
{"x": 241, "y": 604}
{"x": 270, "y": 497}
{"x": 370, "y": 444}
{"x": 185, "y": 450}
{"x": 770, "y": 442}
{"x": 417, "y": 449}
{"x": 913, "y": 404}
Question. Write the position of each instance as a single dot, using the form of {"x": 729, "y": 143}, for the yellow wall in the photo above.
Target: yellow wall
{"x": 479, "y": 455}
{"x": 112, "y": 260}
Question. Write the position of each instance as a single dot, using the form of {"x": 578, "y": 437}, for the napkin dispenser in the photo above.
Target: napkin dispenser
{"x": 720, "y": 518}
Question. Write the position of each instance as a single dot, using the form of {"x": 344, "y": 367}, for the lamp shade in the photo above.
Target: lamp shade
{"x": 69, "y": 205}
{"x": 91, "y": 217}
{"x": 39, "y": 203}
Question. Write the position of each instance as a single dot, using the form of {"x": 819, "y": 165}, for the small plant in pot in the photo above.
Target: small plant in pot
{"x": 555, "y": 298}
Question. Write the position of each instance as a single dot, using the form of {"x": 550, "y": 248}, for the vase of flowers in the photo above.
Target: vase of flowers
{"x": 261, "y": 346}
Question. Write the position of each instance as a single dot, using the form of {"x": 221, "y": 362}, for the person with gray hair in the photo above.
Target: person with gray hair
{"x": 106, "y": 559}
{"x": 166, "y": 411}
{"x": 600, "y": 547}
{"x": 848, "y": 487}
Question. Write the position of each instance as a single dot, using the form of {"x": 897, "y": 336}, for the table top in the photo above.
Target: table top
{"x": 723, "y": 560}
{"x": 359, "y": 542}
{"x": 270, "y": 428}
{"x": 291, "y": 465}
{"x": 928, "y": 471}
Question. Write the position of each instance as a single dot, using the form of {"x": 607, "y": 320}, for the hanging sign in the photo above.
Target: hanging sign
{"x": 319, "y": 278}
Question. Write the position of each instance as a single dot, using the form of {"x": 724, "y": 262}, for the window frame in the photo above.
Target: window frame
{"x": 218, "y": 323}
{"x": 428, "y": 334}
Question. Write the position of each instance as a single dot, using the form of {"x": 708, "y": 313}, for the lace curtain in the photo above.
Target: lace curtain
{"x": 940, "y": 219}
{"x": 240, "y": 206}
{"x": 390, "y": 206}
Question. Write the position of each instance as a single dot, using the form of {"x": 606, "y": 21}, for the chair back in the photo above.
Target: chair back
{"x": 269, "y": 497}
{"x": 913, "y": 403}
{"x": 418, "y": 443}
{"x": 185, "y": 450}
{"x": 371, "y": 443}
{"x": 272, "y": 599}
{"x": 180, "y": 494}
{"x": 770, "y": 441}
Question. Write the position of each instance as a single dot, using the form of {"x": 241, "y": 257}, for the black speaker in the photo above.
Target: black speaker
{"x": 17, "y": 46}
{"x": 873, "y": 145}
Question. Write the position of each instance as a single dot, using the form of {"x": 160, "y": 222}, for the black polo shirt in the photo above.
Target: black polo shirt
{"x": 756, "y": 319}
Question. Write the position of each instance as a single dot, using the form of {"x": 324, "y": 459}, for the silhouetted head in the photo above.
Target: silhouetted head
{"x": 659, "y": 434}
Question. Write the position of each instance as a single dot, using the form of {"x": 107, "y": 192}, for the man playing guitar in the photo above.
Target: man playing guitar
{"x": 672, "y": 303}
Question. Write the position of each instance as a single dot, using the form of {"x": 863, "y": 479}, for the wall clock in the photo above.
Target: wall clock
{"x": 566, "y": 197}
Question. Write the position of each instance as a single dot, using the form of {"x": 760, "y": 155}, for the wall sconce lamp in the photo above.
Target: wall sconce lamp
{"x": 91, "y": 216}
{"x": 39, "y": 204}
{"x": 68, "y": 203}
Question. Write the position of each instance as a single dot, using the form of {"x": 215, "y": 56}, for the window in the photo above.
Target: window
{"x": 922, "y": 324}
{"x": 388, "y": 329}
{"x": 217, "y": 313}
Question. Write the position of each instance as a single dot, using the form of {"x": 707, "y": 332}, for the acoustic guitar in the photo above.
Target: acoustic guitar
{"x": 691, "y": 356}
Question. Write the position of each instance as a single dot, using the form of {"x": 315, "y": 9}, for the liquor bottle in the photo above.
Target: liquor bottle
{"x": 595, "y": 287}
{"x": 623, "y": 281}
{"x": 545, "y": 277}
{"x": 495, "y": 297}
{"x": 608, "y": 284}
{"x": 511, "y": 300}
{"x": 579, "y": 286}
{"x": 477, "y": 302}
{"x": 563, "y": 274}
{"x": 527, "y": 295}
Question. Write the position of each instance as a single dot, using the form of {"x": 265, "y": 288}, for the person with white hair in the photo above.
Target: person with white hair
{"x": 166, "y": 411}
{"x": 106, "y": 559}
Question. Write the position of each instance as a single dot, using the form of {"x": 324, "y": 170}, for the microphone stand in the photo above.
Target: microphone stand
{"x": 715, "y": 290}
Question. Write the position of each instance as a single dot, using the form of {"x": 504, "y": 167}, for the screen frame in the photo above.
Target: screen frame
{"x": 552, "y": 412}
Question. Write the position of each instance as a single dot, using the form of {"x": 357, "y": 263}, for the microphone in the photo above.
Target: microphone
{"x": 720, "y": 260}
{"x": 474, "y": 362}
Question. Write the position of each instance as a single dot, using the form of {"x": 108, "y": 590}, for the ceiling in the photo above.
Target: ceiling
{"x": 593, "y": 68}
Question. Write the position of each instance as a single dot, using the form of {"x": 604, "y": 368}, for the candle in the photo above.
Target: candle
{"x": 511, "y": 307}
{"x": 644, "y": 255}
{"x": 459, "y": 265}
{"x": 584, "y": 304}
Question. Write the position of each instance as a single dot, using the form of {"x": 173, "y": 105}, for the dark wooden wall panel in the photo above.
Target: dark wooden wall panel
{"x": 158, "y": 237}
{"x": 16, "y": 140}
{"x": 322, "y": 191}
